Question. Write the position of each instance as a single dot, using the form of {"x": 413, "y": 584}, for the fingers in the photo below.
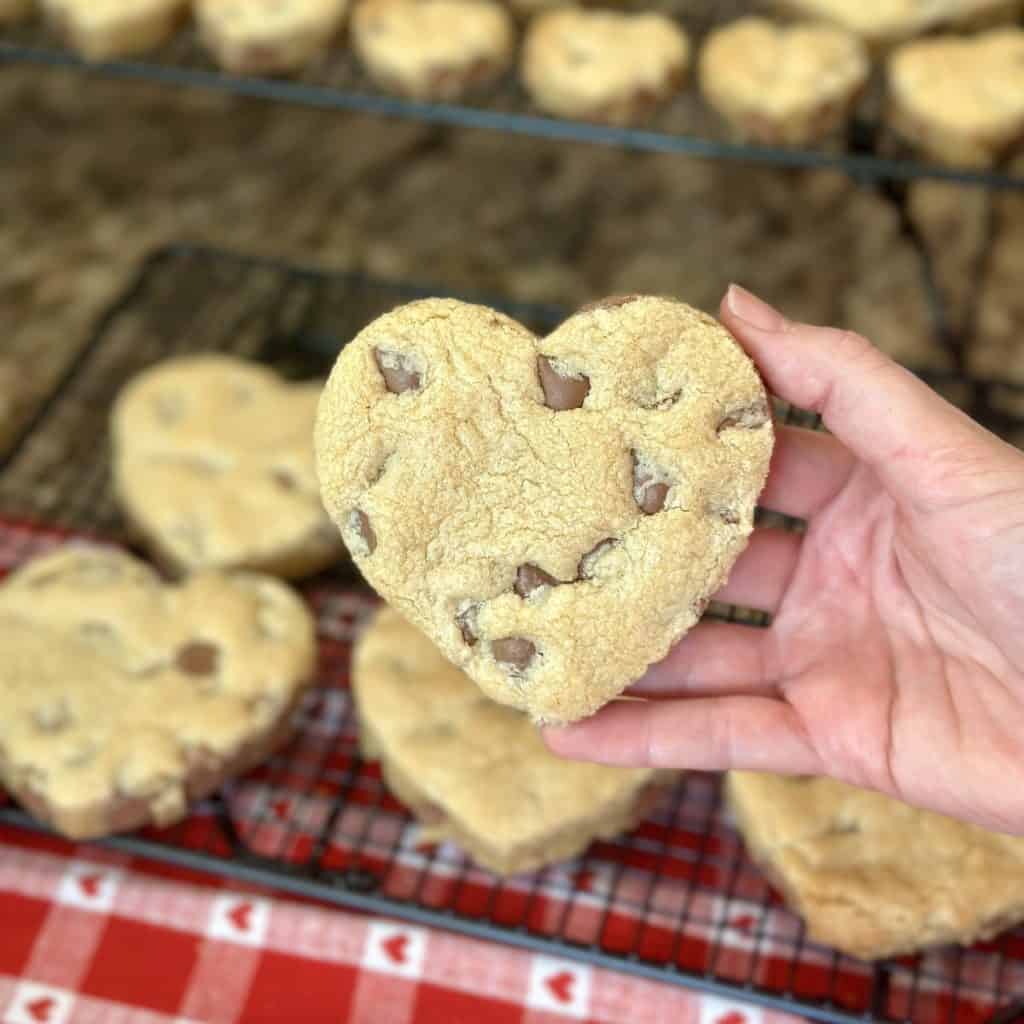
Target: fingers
{"x": 702, "y": 734}
{"x": 714, "y": 658}
{"x": 761, "y": 575}
{"x": 879, "y": 410}
{"x": 809, "y": 468}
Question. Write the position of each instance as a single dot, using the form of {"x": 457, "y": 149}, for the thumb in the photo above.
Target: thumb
{"x": 885, "y": 415}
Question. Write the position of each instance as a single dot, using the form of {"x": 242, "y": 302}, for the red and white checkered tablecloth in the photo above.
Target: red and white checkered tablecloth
{"x": 90, "y": 936}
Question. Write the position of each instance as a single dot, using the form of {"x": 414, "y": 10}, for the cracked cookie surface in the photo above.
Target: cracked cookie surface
{"x": 475, "y": 772}
{"x": 873, "y": 876}
{"x": 213, "y": 463}
{"x": 553, "y": 512}
{"x": 122, "y": 697}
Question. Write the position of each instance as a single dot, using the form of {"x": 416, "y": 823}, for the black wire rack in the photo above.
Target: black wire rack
{"x": 676, "y": 901}
{"x": 687, "y": 127}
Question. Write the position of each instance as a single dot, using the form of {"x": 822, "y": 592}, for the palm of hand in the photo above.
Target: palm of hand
{"x": 890, "y": 649}
{"x": 895, "y": 659}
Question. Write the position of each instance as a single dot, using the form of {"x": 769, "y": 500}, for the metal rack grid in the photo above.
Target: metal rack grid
{"x": 676, "y": 901}
{"x": 686, "y": 127}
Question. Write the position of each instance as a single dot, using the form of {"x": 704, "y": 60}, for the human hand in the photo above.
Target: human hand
{"x": 895, "y": 660}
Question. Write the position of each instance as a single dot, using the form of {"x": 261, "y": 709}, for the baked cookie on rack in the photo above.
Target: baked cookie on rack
{"x": 871, "y": 876}
{"x": 123, "y": 698}
{"x": 268, "y": 36}
{"x": 960, "y": 100}
{"x": 213, "y": 464}
{"x": 553, "y": 512}
{"x": 883, "y": 23}
{"x": 433, "y": 50}
{"x": 607, "y": 66}
{"x": 105, "y": 29}
{"x": 477, "y": 773}
{"x": 783, "y": 84}
{"x": 15, "y": 10}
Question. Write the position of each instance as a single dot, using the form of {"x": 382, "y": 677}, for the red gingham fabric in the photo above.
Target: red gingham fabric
{"x": 89, "y": 935}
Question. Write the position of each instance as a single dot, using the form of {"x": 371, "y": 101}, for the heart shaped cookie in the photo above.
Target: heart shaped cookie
{"x": 608, "y": 66}
{"x": 104, "y": 29}
{"x": 478, "y": 773}
{"x": 121, "y": 697}
{"x": 553, "y": 512}
{"x": 268, "y": 36}
{"x": 213, "y": 463}
{"x": 781, "y": 84}
{"x": 960, "y": 100}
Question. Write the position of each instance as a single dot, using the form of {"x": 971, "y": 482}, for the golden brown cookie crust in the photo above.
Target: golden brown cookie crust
{"x": 267, "y": 36}
{"x": 960, "y": 100}
{"x": 123, "y": 697}
{"x": 872, "y": 876}
{"x": 475, "y": 772}
{"x": 213, "y": 464}
{"x": 606, "y": 66}
{"x": 780, "y": 84}
{"x": 553, "y": 512}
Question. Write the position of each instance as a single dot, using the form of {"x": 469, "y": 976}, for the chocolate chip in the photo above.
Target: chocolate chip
{"x": 198, "y": 658}
{"x": 398, "y": 371}
{"x": 561, "y": 392}
{"x": 359, "y": 522}
{"x": 466, "y": 621}
{"x": 650, "y": 492}
{"x": 529, "y": 578}
{"x": 285, "y": 480}
{"x": 515, "y": 651}
{"x": 589, "y": 560}
{"x": 612, "y": 302}
{"x": 745, "y": 417}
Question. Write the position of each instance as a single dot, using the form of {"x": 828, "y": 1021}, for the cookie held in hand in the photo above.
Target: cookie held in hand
{"x": 213, "y": 464}
{"x": 554, "y": 513}
{"x": 122, "y": 697}
{"x": 478, "y": 773}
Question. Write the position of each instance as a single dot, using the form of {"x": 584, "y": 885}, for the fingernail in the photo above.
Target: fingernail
{"x": 752, "y": 310}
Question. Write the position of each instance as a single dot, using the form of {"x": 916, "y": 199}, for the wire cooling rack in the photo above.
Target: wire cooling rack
{"x": 677, "y": 900}
{"x": 687, "y": 127}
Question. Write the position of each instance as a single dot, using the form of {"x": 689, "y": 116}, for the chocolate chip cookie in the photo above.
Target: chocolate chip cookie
{"x": 872, "y": 876}
{"x": 213, "y": 464}
{"x": 553, "y": 512}
{"x": 268, "y": 36}
{"x": 433, "y": 49}
{"x": 604, "y": 66}
{"x": 475, "y": 772}
{"x": 122, "y": 698}
{"x": 104, "y": 29}
{"x": 958, "y": 99}
{"x": 778, "y": 84}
